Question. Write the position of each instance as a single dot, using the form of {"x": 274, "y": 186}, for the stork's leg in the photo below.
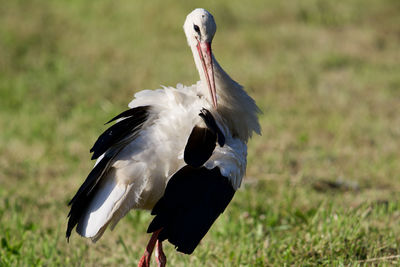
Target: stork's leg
{"x": 145, "y": 260}
{"x": 160, "y": 256}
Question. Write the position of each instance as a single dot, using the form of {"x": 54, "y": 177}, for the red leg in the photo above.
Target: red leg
{"x": 160, "y": 256}
{"x": 145, "y": 260}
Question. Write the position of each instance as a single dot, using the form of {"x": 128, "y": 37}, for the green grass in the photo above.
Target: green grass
{"x": 322, "y": 185}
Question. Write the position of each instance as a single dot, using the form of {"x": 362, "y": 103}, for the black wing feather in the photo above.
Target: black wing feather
{"x": 212, "y": 125}
{"x": 134, "y": 118}
{"x": 82, "y": 198}
{"x": 138, "y": 111}
{"x": 200, "y": 146}
{"x": 107, "y": 143}
{"x": 193, "y": 200}
{"x": 202, "y": 141}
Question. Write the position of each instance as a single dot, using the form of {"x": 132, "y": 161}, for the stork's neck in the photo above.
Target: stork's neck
{"x": 235, "y": 106}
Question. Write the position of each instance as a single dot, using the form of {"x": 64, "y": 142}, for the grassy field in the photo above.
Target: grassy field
{"x": 323, "y": 181}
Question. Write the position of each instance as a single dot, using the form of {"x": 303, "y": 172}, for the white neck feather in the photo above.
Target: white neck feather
{"x": 236, "y": 107}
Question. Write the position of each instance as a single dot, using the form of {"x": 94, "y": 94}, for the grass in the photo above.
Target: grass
{"x": 322, "y": 185}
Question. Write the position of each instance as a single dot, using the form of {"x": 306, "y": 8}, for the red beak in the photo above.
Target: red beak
{"x": 204, "y": 49}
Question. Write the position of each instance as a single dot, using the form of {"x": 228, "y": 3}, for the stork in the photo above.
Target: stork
{"x": 179, "y": 152}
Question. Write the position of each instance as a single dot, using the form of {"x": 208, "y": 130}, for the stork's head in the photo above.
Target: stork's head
{"x": 200, "y": 28}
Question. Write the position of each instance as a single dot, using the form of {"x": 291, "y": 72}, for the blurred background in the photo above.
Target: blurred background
{"x": 322, "y": 184}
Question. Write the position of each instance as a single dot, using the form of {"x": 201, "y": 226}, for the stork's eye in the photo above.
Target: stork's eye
{"x": 196, "y": 28}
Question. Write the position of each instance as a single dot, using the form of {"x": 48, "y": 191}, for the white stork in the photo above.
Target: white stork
{"x": 179, "y": 152}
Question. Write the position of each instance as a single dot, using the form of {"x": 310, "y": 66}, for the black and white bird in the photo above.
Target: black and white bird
{"x": 179, "y": 152}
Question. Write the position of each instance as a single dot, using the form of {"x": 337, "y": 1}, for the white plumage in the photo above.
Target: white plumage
{"x": 142, "y": 169}
{"x": 139, "y": 166}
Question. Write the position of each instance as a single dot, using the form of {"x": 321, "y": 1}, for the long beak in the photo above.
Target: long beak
{"x": 204, "y": 49}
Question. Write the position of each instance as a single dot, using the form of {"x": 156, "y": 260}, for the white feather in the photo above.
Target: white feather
{"x": 99, "y": 210}
{"x": 138, "y": 174}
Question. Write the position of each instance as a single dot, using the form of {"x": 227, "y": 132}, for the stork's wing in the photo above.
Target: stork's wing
{"x": 132, "y": 119}
{"x": 109, "y": 143}
{"x": 194, "y": 197}
{"x": 201, "y": 142}
{"x": 193, "y": 200}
